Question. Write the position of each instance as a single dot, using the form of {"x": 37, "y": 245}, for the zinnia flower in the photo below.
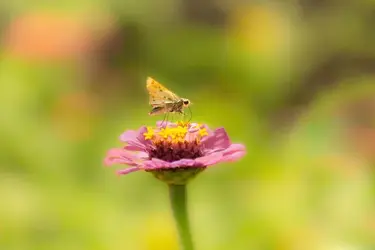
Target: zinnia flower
{"x": 174, "y": 152}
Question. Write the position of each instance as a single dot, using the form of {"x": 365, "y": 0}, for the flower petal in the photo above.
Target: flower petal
{"x": 191, "y": 136}
{"x": 186, "y": 163}
{"x": 234, "y": 152}
{"x": 193, "y": 127}
{"x": 163, "y": 124}
{"x": 127, "y": 170}
{"x": 114, "y": 157}
{"x": 129, "y": 135}
{"x": 218, "y": 141}
{"x": 141, "y": 137}
{"x": 210, "y": 159}
{"x": 121, "y": 156}
{"x": 155, "y": 163}
{"x": 234, "y": 157}
{"x": 234, "y": 148}
{"x": 132, "y": 148}
{"x": 135, "y": 139}
{"x": 209, "y": 131}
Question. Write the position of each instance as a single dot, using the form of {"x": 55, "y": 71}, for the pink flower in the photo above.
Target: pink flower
{"x": 174, "y": 152}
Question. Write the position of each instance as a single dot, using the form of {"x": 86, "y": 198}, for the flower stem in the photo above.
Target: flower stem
{"x": 177, "y": 196}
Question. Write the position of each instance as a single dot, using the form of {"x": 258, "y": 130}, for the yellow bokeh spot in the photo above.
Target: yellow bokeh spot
{"x": 158, "y": 232}
{"x": 261, "y": 28}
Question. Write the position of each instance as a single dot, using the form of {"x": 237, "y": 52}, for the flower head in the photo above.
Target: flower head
{"x": 174, "y": 152}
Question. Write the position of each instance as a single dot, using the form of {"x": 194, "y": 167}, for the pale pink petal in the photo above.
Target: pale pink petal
{"x": 135, "y": 139}
{"x": 127, "y": 170}
{"x": 190, "y": 136}
{"x": 193, "y": 127}
{"x": 114, "y": 156}
{"x": 129, "y": 135}
{"x": 234, "y": 152}
{"x": 234, "y": 148}
{"x": 121, "y": 156}
{"x": 209, "y": 131}
{"x": 112, "y": 161}
{"x": 163, "y": 124}
{"x": 186, "y": 163}
{"x": 234, "y": 156}
{"x": 155, "y": 163}
{"x": 142, "y": 155}
{"x": 193, "y": 132}
{"x": 219, "y": 140}
{"x": 210, "y": 159}
{"x": 132, "y": 148}
{"x": 141, "y": 137}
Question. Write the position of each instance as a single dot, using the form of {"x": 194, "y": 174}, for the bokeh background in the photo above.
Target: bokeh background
{"x": 292, "y": 80}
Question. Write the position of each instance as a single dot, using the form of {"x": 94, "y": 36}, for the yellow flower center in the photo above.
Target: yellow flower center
{"x": 149, "y": 134}
{"x": 203, "y": 132}
{"x": 174, "y": 134}
{"x": 183, "y": 124}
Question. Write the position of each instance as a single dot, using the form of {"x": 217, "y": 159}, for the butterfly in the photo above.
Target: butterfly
{"x": 163, "y": 100}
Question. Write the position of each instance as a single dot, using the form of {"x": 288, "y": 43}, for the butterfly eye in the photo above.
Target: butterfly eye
{"x": 186, "y": 102}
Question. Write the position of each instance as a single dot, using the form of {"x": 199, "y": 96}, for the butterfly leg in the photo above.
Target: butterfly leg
{"x": 166, "y": 118}
{"x": 172, "y": 117}
{"x": 165, "y": 115}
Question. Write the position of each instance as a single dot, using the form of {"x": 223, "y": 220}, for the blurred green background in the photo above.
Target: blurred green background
{"x": 292, "y": 80}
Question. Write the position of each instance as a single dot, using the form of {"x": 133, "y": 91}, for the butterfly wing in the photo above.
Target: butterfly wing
{"x": 160, "y": 95}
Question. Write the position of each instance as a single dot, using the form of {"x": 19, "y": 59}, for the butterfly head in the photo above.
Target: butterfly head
{"x": 186, "y": 102}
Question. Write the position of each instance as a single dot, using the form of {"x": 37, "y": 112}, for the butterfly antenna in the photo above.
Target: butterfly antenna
{"x": 184, "y": 116}
{"x": 191, "y": 114}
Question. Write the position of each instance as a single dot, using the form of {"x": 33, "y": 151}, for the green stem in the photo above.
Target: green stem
{"x": 177, "y": 196}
